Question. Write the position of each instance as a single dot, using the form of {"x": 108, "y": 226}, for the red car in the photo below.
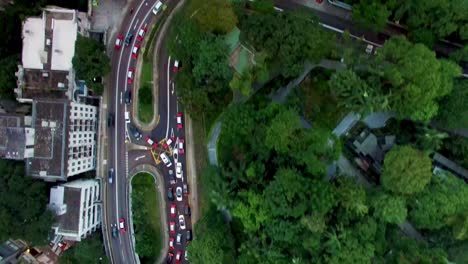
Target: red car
{"x": 180, "y": 146}
{"x": 175, "y": 68}
{"x": 171, "y": 243}
{"x": 173, "y": 210}
{"x": 130, "y": 75}
{"x": 172, "y": 227}
{"x": 141, "y": 33}
{"x": 122, "y": 225}
{"x": 151, "y": 142}
{"x": 135, "y": 50}
{"x": 118, "y": 42}
{"x": 179, "y": 120}
{"x": 178, "y": 256}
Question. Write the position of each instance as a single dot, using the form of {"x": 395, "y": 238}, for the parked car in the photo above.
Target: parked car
{"x": 165, "y": 159}
{"x": 175, "y": 68}
{"x": 135, "y": 133}
{"x": 157, "y": 7}
{"x": 172, "y": 179}
{"x": 172, "y": 227}
{"x": 151, "y": 142}
{"x": 179, "y": 239}
{"x": 135, "y": 50}
{"x": 111, "y": 175}
{"x": 110, "y": 120}
{"x": 118, "y": 42}
{"x": 169, "y": 257}
{"x": 128, "y": 39}
{"x": 179, "y": 170}
{"x": 179, "y": 120}
{"x": 185, "y": 188}
{"x": 122, "y": 225}
{"x": 189, "y": 235}
{"x": 170, "y": 194}
{"x": 182, "y": 222}
{"x": 130, "y": 75}
{"x": 180, "y": 146}
{"x": 141, "y": 33}
{"x": 128, "y": 97}
{"x": 187, "y": 210}
{"x": 173, "y": 210}
{"x": 179, "y": 194}
{"x": 171, "y": 243}
{"x": 178, "y": 256}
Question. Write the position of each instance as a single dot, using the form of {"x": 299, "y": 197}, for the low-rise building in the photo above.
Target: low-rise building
{"x": 10, "y": 250}
{"x": 77, "y": 206}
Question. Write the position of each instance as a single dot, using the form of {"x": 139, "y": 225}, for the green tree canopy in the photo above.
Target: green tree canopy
{"x": 389, "y": 208}
{"x": 453, "y": 110}
{"x": 89, "y": 250}
{"x": 216, "y": 16}
{"x": 371, "y": 13}
{"x": 406, "y": 170}
{"x": 283, "y": 130}
{"x": 90, "y": 61}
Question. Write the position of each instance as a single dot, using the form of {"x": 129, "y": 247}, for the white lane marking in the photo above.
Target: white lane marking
{"x": 120, "y": 97}
{"x": 140, "y": 157}
{"x": 168, "y": 99}
{"x": 136, "y": 23}
{"x": 172, "y": 88}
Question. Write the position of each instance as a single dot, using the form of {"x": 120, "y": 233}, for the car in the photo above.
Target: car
{"x": 187, "y": 210}
{"x": 128, "y": 97}
{"x": 110, "y": 120}
{"x": 185, "y": 188}
{"x": 122, "y": 225}
{"x": 130, "y": 75}
{"x": 178, "y": 170}
{"x": 175, "y": 68}
{"x": 157, "y": 7}
{"x": 369, "y": 49}
{"x": 179, "y": 120}
{"x": 185, "y": 255}
{"x": 172, "y": 179}
{"x": 115, "y": 232}
{"x": 141, "y": 33}
{"x": 173, "y": 209}
{"x": 118, "y": 42}
{"x": 135, "y": 133}
{"x": 182, "y": 222}
{"x": 179, "y": 194}
{"x": 127, "y": 117}
{"x": 128, "y": 39}
{"x": 111, "y": 175}
{"x": 179, "y": 239}
{"x": 170, "y": 194}
{"x": 178, "y": 256}
{"x": 180, "y": 146}
{"x": 171, "y": 243}
{"x": 172, "y": 227}
{"x": 189, "y": 235}
{"x": 151, "y": 142}
{"x": 135, "y": 50}
{"x": 169, "y": 257}
{"x": 165, "y": 159}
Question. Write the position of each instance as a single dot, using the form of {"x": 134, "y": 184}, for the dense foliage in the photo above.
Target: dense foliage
{"x": 90, "y": 62}
{"x": 23, "y": 203}
{"x": 89, "y": 250}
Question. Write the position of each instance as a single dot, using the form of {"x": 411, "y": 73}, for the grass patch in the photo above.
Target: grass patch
{"x": 199, "y": 143}
{"x": 145, "y": 93}
{"x": 146, "y": 218}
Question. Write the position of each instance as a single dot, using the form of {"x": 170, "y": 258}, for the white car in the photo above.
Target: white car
{"x": 179, "y": 194}
{"x": 157, "y": 7}
{"x": 166, "y": 159}
{"x": 182, "y": 222}
{"x": 178, "y": 170}
{"x": 180, "y": 146}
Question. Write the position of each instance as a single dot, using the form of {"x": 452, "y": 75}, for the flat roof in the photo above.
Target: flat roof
{"x": 12, "y": 136}
{"x": 63, "y": 44}
{"x": 33, "y": 54}
{"x": 70, "y": 220}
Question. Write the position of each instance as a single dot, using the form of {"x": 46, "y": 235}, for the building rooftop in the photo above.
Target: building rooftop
{"x": 49, "y": 120}
{"x": 67, "y": 220}
{"x": 12, "y": 137}
{"x": 34, "y": 56}
{"x": 39, "y": 84}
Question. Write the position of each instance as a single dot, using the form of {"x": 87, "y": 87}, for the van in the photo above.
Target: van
{"x": 127, "y": 117}
{"x": 165, "y": 159}
{"x": 157, "y": 7}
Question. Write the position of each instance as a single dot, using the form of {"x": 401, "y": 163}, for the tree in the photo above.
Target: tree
{"x": 250, "y": 210}
{"x": 89, "y": 250}
{"x": 406, "y": 170}
{"x": 414, "y": 79}
{"x": 216, "y": 16}
{"x": 8, "y": 66}
{"x": 446, "y": 197}
{"x": 282, "y": 132}
{"x": 453, "y": 110}
{"x": 25, "y": 218}
{"x": 211, "y": 61}
{"x": 389, "y": 208}
{"x": 242, "y": 83}
{"x": 371, "y": 14}
{"x": 352, "y": 197}
{"x": 90, "y": 61}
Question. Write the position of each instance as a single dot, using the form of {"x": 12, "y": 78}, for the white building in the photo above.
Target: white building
{"x": 77, "y": 206}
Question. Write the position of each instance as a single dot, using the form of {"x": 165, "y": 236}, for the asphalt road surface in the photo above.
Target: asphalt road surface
{"x": 122, "y": 160}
